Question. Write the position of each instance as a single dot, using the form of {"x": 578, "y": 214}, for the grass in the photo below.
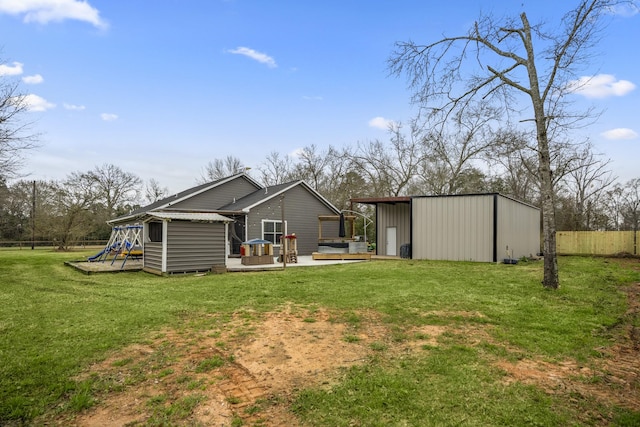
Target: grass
{"x": 54, "y": 322}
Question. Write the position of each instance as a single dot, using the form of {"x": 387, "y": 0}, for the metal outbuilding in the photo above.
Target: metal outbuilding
{"x": 470, "y": 227}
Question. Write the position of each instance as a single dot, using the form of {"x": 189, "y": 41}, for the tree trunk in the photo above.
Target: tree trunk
{"x": 550, "y": 279}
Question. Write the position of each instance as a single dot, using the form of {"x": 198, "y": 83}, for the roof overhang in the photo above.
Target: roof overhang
{"x": 188, "y": 216}
{"x": 377, "y": 200}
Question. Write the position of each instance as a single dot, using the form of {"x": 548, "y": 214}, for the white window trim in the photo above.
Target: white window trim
{"x": 276, "y": 221}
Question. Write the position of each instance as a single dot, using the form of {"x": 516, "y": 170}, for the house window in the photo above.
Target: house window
{"x": 155, "y": 231}
{"x": 272, "y": 231}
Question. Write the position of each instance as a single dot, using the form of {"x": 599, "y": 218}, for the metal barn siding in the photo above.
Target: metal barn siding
{"x": 218, "y": 196}
{"x": 457, "y": 228}
{"x": 396, "y": 215}
{"x": 518, "y": 231}
{"x": 195, "y": 246}
{"x": 301, "y": 211}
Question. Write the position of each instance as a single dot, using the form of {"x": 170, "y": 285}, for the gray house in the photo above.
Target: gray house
{"x": 471, "y": 227}
{"x": 197, "y": 229}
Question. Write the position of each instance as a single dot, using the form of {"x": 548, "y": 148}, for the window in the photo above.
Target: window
{"x": 155, "y": 231}
{"x": 272, "y": 231}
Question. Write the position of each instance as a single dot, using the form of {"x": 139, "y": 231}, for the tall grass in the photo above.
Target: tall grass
{"x": 55, "y": 321}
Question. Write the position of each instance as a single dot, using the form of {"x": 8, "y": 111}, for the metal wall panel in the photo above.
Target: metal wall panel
{"x": 302, "y": 209}
{"x": 518, "y": 229}
{"x": 457, "y": 228}
{"x": 392, "y": 215}
{"x": 195, "y": 246}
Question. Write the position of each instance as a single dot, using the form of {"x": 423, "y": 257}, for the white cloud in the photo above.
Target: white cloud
{"x": 381, "y": 123}
{"x": 37, "y": 103}
{"x": 625, "y": 10}
{"x": 620, "y": 133}
{"x": 600, "y": 86}
{"x": 297, "y": 153}
{"x": 45, "y": 11}
{"x": 33, "y": 80}
{"x": 108, "y": 117}
{"x": 11, "y": 70}
{"x": 73, "y": 107}
{"x": 262, "y": 58}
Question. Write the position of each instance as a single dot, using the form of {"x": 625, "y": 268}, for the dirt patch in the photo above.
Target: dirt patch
{"x": 614, "y": 379}
{"x": 245, "y": 369}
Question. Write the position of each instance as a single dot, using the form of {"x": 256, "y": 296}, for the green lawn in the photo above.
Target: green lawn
{"x": 55, "y": 321}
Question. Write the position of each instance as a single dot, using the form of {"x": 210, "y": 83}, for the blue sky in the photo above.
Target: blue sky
{"x": 160, "y": 88}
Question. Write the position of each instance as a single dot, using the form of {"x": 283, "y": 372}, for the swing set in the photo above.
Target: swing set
{"x": 125, "y": 242}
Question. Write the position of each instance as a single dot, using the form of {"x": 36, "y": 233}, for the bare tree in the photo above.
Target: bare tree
{"x": 116, "y": 189}
{"x": 276, "y": 169}
{"x": 505, "y": 61}
{"x": 16, "y": 137}
{"x": 390, "y": 168}
{"x": 630, "y": 207}
{"x": 153, "y": 191}
{"x": 587, "y": 183}
{"x": 221, "y": 168}
{"x": 311, "y": 166}
{"x": 510, "y": 152}
{"x": 451, "y": 151}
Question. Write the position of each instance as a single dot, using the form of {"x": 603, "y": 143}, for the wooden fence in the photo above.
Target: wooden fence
{"x": 597, "y": 242}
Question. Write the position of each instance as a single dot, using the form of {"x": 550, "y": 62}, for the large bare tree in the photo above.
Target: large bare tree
{"x": 390, "y": 168}
{"x": 114, "y": 188}
{"x": 452, "y": 151}
{"x": 16, "y": 138}
{"x": 499, "y": 62}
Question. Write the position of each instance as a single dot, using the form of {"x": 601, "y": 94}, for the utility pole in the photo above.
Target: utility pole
{"x": 283, "y": 239}
{"x": 33, "y": 217}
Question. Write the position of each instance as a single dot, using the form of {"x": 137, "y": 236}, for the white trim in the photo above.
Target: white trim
{"x": 165, "y": 233}
{"x": 283, "y": 230}
{"x": 227, "y": 245}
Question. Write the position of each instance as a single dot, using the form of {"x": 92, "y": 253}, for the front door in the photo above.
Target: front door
{"x": 391, "y": 241}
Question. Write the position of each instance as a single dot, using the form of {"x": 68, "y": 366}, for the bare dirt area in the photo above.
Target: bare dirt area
{"x": 243, "y": 372}
{"x": 614, "y": 379}
{"x": 245, "y": 369}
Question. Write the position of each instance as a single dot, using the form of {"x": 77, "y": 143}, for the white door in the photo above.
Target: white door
{"x": 391, "y": 241}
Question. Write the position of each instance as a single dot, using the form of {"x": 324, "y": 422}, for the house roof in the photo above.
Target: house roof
{"x": 183, "y": 195}
{"x": 260, "y": 196}
{"x": 189, "y": 216}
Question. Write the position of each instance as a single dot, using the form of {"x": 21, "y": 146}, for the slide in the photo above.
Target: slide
{"x": 97, "y": 256}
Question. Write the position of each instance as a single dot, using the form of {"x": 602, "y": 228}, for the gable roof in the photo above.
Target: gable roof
{"x": 183, "y": 195}
{"x": 263, "y": 195}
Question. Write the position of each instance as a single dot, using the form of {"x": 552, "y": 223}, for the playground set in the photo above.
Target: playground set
{"x": 125, "y": 242}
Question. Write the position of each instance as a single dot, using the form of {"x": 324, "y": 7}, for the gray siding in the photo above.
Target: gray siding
{"x": 518, "y": 229}
{"x": 195, "y": 246}
{"x": 219, "y": 196}
{"x": 301, "y": 214}
{"x": 152, "y": 257}
{"x": 456, "y": 228}
{"x": 392, "y": 215}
